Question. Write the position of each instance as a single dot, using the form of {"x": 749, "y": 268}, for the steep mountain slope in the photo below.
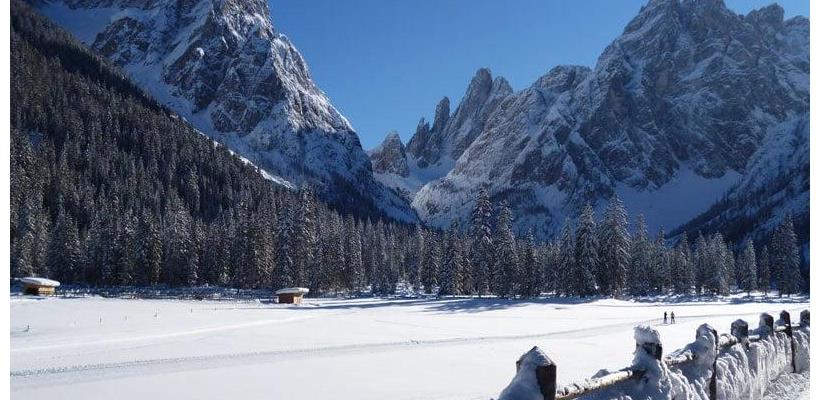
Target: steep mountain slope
{"x": 668, "y": 119}
{"x": 776, "y": 184}
{"x": 223, "y": 66}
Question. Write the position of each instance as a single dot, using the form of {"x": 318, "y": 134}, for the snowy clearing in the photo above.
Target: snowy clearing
{"x": 95, "y": 348}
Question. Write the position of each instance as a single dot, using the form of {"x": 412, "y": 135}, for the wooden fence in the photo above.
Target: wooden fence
{"x": 546, "y": 372}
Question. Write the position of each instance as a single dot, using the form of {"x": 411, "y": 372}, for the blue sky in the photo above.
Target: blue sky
{"x": 385, "y": 64}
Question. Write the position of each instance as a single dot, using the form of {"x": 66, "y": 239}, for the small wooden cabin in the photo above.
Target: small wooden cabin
{"x": 39, "y": 286}
{"x": 291, "y": 295}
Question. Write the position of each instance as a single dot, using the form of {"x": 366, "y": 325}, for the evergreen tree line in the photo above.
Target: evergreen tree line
{"x": 109, "y": 188}
{"x": 602, "y": 257}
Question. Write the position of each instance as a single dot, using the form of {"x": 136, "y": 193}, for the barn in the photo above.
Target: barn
{"x": 38, "y": 286}
{"x": 291, "y": 295}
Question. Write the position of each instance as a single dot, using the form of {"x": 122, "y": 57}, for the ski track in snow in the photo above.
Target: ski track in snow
{"x": 106, "y": 371}
{"x": 164, "y": 335}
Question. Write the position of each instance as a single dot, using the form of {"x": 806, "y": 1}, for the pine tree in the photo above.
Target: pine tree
{"x": 452, "y": 265}
{"x": 565, "y": 261}
{"x": 681, "y": 266}
{"x": 661, "y": 269}
{"x": 531, "y": 280}
{"x": 764, "y": 276}
{"x": 505, "y": 274}
{"x": 305, "y": 240}
{"x": 640, "y": 265}
{"x": 481, "y": 244}
{"x": 582, "y": 275}
{"x": 63, "y": 259}
{"x": 747, "y": 268}
{"x": 785, "y": 258}
{"x": 613, "y": 249}
{"x": 283, "y": 270}
{"x": 700, "y": 263}
{"x": 430, "y": 262}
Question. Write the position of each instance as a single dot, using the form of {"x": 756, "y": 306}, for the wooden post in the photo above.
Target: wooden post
{"x": 545, "y": 371}
{"x": 766, "y": 326}
{"x": 804, "y": 319}
{"x": 787, "y": 324}
{"x": 740, "y": 330}
{"x": 713, "y": 381}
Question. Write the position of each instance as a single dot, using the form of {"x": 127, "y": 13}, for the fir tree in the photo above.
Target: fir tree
{"x": 481, "y": 244}
{"x": 613, "y": 249}
{"x": 505, "y": 272}
{"x": 582, "y": 275}
{"x": 747, "y": 268}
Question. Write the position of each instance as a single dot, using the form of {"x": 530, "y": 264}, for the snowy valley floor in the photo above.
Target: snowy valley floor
{"x": 96, "y": 348}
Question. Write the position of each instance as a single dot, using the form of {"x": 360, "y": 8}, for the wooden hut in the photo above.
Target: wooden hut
{"x": 291, "y": 295}
{"x": 38, "y": 286}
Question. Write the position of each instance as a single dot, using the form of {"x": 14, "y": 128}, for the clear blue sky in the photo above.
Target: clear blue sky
{"x": 385, "y": 64}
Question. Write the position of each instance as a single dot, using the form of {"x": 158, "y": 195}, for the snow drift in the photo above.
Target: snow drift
{"x": 713, "y": 366}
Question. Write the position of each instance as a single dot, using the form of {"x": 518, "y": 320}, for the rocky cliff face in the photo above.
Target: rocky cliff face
{"x": 390, "y": 157}
{"x": 223, "y": 66}
{"x": 669, "y": 119}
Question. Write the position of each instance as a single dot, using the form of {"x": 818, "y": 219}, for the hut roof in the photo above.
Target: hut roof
{"x": 33, "y": 280}
{"x": 293, "y": 290}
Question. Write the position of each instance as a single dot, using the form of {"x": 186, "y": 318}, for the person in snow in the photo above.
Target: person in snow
{"x": 672, "y": 317}
{"x": 664, "y": 317}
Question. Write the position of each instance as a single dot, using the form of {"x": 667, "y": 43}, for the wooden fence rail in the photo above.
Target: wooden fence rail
{"x": 546, "y": 371}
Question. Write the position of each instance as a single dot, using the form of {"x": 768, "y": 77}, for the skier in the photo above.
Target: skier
{"x": 664, "y": 317}
{"x": 672, "y": 315}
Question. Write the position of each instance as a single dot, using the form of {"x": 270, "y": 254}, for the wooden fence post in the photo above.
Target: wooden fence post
{"x": 545, "y": 371}
{"x": 713, "y": 381}
{"x": 740, "y": 330}
{"x": 766, "y": 325}
{"x": 804, "y": 319}
{"x": 786, "y": 319}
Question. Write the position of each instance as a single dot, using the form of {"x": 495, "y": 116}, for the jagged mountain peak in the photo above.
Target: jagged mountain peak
{"x": 390, "y": 157}
{"x": 682, "y": 99}
{"x": 222, "y": 66}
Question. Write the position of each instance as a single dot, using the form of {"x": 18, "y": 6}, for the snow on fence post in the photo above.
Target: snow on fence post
{"x": 649, "y": 340}
{"x": 535, "y": 373}
{"x": 786, "y": 320}
{"x": 804, "y": 319}
{"x": 740, "y": 330}
{"x": 713, "y": 379}
{"x": 766, "y": 325}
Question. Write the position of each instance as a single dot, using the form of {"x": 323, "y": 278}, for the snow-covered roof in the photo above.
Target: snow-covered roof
{"x": 40, "y": 281}
{"x": 293, "y": 290}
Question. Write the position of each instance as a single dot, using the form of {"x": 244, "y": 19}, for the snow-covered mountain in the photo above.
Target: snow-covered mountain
{"x": 676, "y": 112}
{"x": 223, "y": 66}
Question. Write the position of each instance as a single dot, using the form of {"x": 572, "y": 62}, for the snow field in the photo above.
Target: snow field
{"x": 363, "y": 349}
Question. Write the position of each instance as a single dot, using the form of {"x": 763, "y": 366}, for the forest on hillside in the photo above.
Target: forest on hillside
{"x": 109, "y": 188}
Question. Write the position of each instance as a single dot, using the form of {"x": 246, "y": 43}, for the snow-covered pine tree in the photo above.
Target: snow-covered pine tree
{"x": 481, "y": 244}
{"x": 640, "y": 260}
{"x": 717, "y": 274}
{"x": 565, "y": 261}
{"x": 430, "y": 262}
{"x": 353, "y": 254}
{"x": 747, "y": 268}
{"x": 613, "y": 250}
{"x": 452, "y": 263}
{"x": 530, "y": 281}
{"x": 661, "y": 273}
{"x": 681, "y": 266}
{"x": 785, "y": 259}
{"x": 764, "y": 276}
{"x": 550, "y": 267}
{"x": 305, "y": 240}
{"x": 700, "y": 264}
{"x": 505, "y": 273}
{"x": 64, "y": 257}
{"x": 582, "y": 276}
{"x": 283, "y": 271}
